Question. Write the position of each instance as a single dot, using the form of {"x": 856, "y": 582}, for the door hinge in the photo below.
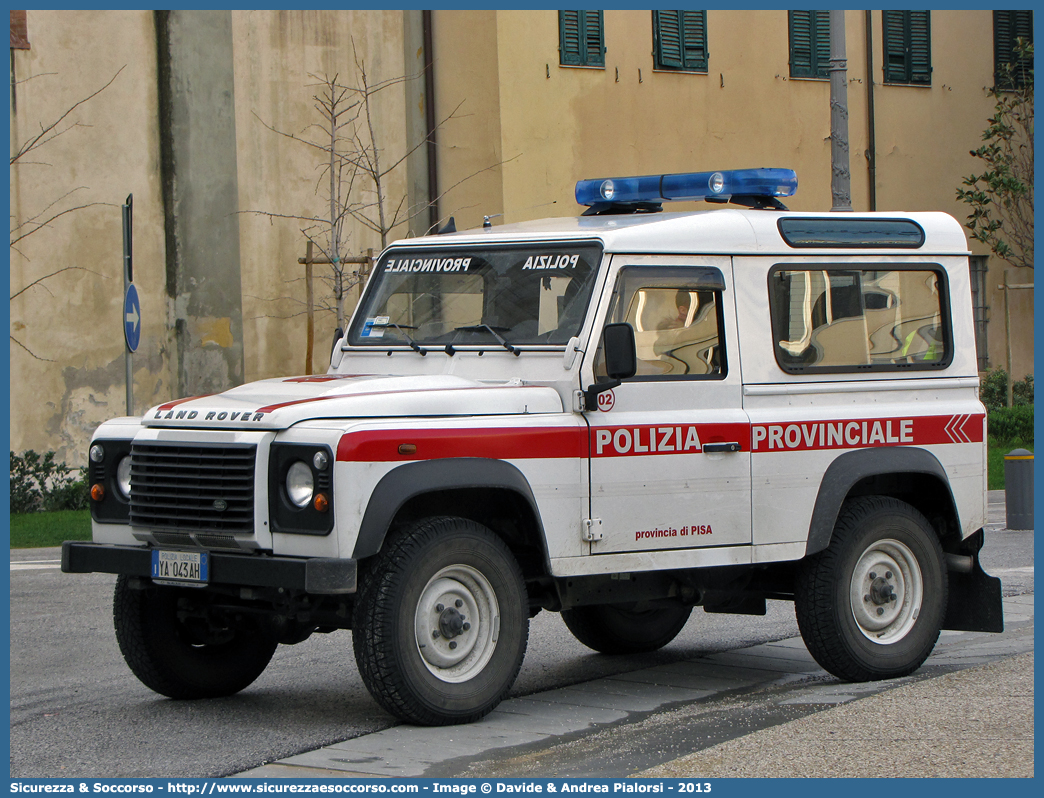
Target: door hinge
{"x": 578, "y": 402}
{"x": 592, "y": 529}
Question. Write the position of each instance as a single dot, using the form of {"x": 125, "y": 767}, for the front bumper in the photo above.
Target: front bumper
{"x": 319, "y": 575}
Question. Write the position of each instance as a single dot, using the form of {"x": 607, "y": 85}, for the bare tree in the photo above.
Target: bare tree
{"x": 354, "y": 177}
{"x": 27, "y": 154}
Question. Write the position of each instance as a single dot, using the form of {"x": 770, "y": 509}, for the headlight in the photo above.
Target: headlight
{"x": 299, "y": 484}
{"x": 123, "y": 476}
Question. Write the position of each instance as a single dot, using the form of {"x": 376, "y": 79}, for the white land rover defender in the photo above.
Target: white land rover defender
{"x": 618, "y": 417}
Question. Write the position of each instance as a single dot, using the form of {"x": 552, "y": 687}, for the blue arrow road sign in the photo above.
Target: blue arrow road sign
{"x": 132, "y": 318}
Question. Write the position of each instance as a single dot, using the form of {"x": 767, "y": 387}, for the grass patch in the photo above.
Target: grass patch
{"x": 995, "y": 451}
{"x": 38, "y": 530}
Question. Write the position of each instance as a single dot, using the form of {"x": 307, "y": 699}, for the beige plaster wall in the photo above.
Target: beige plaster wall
{"x": 72, "y": 377}
{"x": 280, "y": 56}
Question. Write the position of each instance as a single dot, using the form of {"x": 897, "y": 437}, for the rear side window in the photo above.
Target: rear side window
{"x": 840, "y": 319}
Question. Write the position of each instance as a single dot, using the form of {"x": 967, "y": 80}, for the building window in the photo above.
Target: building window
{"x": 680, "y": 40}
{"x": 907, "y": 47}
{"x": 1007, "y": 27}
{"x": 809, "y": 44}
{"x": 581, "y": 38}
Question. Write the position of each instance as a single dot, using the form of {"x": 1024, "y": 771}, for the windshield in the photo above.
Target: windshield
{"x": 478, "y": 296}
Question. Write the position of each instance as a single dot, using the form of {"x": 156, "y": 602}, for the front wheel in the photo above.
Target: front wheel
{"x": 441, "y": 622}
{"x": 623, "y": 629}
{"x": 871, "y": 605}
{"x": 178, "y": 647}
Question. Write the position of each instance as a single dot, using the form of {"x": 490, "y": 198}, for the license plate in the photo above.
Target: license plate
{"x": 180, "y": 566}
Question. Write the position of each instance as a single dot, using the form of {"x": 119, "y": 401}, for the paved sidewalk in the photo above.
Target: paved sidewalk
{"x": 975, "y": 721}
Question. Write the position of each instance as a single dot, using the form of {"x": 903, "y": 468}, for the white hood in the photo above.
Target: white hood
{"x": 281, "y": 403}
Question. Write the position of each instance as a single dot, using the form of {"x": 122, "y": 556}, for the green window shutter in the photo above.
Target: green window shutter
{"x": 694, "y": 39}
{"x": 1007, "y": 27}
{"x": 821, "y": 43}
{"x": 907, "y": 47}
{"x": 920, "y": 44}
{"x": 895, "y": 62}
{"x": 569, "y": 38}
{"x": 594, "y": 39}
{"x": 800, "y": 23}
{"x": 809, "y": 44}
{"x": 667, "y": 28}
{"x": 680, "y": 40}
{"x": 580, "y": 37}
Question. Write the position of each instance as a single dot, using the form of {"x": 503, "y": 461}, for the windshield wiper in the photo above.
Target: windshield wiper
{"x": 492, "y": 331}
{"x": 413, "y": 344}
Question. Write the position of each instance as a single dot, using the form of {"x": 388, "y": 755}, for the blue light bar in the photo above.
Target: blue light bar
{"x": 693, "y": 186}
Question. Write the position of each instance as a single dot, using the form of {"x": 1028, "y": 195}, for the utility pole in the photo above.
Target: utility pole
{"x": 841, "y": 177}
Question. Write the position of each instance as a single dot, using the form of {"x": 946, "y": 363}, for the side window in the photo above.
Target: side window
{"x": 581, "y": 40}
{"x": 680, "y": 40}
{"x": 809, "y": 44}
{"x": 843, "y": 319}
{"x": 907, "y": 47}
{"x": 676, "y": 314}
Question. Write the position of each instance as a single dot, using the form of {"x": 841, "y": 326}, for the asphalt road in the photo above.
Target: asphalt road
{"x": 76, "y": 710}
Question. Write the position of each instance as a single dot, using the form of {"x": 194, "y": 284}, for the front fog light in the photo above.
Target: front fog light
{"x": 299, "y": 484}
{"x": 123, "y": 476}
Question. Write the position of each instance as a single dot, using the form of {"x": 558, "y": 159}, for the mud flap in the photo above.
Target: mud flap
{"x": 975, "y": 603}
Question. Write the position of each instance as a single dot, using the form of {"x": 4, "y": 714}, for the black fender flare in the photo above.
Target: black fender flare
{"x": 407, "y": 481}
{"x": 850, "y": 468}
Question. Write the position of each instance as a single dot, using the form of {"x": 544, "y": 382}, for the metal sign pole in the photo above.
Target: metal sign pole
{"x": 128, "y": 280}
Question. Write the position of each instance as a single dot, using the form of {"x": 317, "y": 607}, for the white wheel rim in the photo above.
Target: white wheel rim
{"x": 457, "y": 623}
{"x": 886, "y": 591}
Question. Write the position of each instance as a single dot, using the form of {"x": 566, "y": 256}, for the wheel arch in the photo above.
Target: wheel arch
{"x": 909, "y": 474}
{"x": 491, "y": 492}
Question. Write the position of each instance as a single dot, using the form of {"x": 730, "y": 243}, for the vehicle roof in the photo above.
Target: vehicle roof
{"x": 729, "y": 231}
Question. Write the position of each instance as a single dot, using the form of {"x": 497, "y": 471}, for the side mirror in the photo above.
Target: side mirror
{"x": 621, "y": 357}
{"x": 621, "y": 360}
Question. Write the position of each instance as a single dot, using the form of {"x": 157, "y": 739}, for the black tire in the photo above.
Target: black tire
{"x": 458, "y": 675}
{"x": 618, "y": 629}
{"x": 880, "y": 547}
{"x": 179, "y": 659}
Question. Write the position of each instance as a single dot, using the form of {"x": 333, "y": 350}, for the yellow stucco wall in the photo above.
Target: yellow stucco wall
{"x": 281, "y": 57}
{"x": 74, "y": 376}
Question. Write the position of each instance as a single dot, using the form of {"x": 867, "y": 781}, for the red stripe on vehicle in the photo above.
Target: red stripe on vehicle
{"x": 177, "y": 402}
{"x": 862, "y": 433}
{"x": 504, "y": 443}
{"x": 656, "y": 439}
{"x": 325, "y": 377}
{"x": 270, "y": 408}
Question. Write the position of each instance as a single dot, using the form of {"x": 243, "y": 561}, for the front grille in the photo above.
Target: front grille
{"x": 193, "y": 488}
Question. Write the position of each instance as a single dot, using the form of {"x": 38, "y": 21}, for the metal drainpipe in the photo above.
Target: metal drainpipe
{"x": 871, "y": 153}
{"x": 429, "y": 111}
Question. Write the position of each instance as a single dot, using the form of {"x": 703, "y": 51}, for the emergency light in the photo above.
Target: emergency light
{"x": 692, "y": 186}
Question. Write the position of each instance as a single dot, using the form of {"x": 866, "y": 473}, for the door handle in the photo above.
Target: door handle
{"x": 718, "y": 448}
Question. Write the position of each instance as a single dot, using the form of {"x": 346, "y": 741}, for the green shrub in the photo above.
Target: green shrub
{"x": 993, "y": 391}
{"x": 42, "y": 484}
{"x": 1011, "y": 423}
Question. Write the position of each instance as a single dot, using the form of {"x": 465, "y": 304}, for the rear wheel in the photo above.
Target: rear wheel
{"x": 179, "y": 649}
{"x": 871, "y": 605}
{"x": 441, "y": 622}
{"x": 622, "y": 629}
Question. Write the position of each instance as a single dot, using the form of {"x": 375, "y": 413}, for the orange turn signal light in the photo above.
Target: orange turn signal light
{"x": 321, "y": 503}
{"x": 97, "y": 492}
